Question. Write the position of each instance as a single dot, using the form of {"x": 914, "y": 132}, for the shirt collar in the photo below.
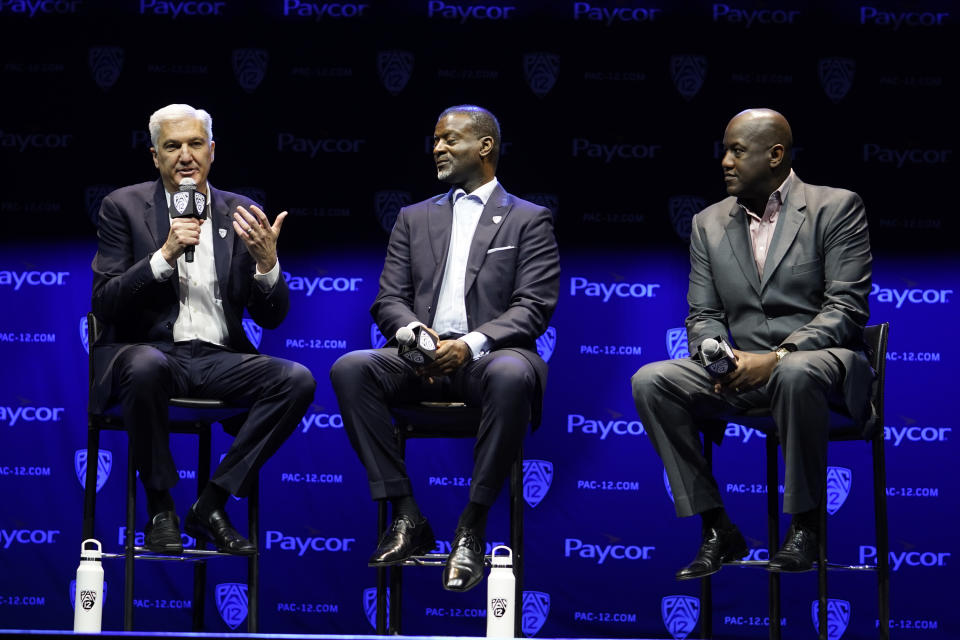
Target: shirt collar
{"x": 483, "y": 192}
{"x": 780, "y": 194}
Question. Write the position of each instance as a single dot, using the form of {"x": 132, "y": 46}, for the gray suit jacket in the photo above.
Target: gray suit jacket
{"x": 512, "y": 280}
{"x": 135, "y": 308}
{"x": 815, "y": 285}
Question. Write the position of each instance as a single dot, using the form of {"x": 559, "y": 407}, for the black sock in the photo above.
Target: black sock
{"x": 406, "y": 506}
{"x": 211, "y": 498}
{"x": 474, "y": 517}
{"x": 809, "y": 520}
{"x": 158, "y": 500}
{"x": 716, "y": 519}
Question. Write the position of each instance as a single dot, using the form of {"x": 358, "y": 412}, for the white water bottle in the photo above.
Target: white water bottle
{"x": 88, "y": 603}
{"x": 501, "y": 595}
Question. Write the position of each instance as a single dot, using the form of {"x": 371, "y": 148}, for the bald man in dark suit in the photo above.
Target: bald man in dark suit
{"x": 782, "y": 269}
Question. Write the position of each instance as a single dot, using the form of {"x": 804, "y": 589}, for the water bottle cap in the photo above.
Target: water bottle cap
{"x": 501, "y": 561}
{"x": 91, "y": 554}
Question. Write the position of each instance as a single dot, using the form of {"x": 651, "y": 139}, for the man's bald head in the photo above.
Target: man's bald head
{"x": 766, "y": 126}
{"x": 758, "y": 147}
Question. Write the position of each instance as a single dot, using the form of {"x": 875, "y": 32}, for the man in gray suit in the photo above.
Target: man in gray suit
{"x": 781, "y": 269}
{"x": 479, "y": 269}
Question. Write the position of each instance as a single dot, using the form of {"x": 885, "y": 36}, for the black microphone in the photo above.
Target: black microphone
{"x": 416, "y": 345}
{"x": 188, "y": 203}
{"x": 717, "y": 356}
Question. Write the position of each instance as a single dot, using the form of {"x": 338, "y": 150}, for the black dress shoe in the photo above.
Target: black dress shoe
{"x": 215, "y": 527}
{"x": 162, "y": 534}
{"x": 719, "y": 546}
{"x": 798, "y": 552}
{"x": 464, "y": 567}
{"x": 403, "y": 539}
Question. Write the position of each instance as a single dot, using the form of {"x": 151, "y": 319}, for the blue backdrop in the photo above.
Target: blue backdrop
{"x": 612, "y": 115}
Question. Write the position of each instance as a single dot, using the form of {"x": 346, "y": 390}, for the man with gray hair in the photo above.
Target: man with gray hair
{"x": 173, "y": 327}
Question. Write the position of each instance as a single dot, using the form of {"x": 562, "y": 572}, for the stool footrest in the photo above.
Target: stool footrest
{"x": 188, "y": 555}
{"x": 435, "y": 560}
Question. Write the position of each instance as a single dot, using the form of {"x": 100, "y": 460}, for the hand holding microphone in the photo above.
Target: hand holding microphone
{"x": 417, "y": 345}
{"x": 735, "y": 370}
{"x": 186, "y": 206}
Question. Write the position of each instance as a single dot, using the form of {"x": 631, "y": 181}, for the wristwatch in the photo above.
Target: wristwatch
{"x": 781, "y": 352}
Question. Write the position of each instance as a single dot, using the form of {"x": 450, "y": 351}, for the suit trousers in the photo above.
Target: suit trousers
{"x": 673, "y": 396}
{"x": 278, "y": 393}
{"x": 368, "y": 382}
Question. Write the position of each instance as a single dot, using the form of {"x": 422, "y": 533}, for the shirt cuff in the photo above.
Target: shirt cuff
{"x": 160, "y": 267}
{"x": 479, "y": 343}
{"x": 266, "y": 281}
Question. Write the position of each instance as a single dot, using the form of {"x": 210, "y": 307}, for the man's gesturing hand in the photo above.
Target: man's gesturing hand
{"x": 259, "y": 235}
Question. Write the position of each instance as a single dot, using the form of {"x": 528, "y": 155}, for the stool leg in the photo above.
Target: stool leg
{"x": 90, "y": 490}
{"x": 396, "y": 587}
{"x": 822, "y": 562}
{"x": 253, "y": 563}
{"x": 773, "y": 533}
{"x": 381, "y": 572}
{"x": 200, "y": 568}
{"x": 706, "y": 591}
{"x": 883, "y": 543}
{"x": 516, "y": 540}
{"x": 130, "y": 535}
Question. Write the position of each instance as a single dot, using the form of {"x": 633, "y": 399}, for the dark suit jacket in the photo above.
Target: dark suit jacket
{"x": 815, "y": 286}
{"x": 135, "y": 308}
{"x": 512, "y": 280}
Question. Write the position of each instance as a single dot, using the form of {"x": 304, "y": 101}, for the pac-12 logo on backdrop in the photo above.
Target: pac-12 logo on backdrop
{"x": 254, "y": 332}
{"x": 547, "y": 343}
{"x": 394, "y": 68}
{"x": 104, "y": 465}
{"x": 680, "y": 614}
{"x": 541, "y": 71}
{"x": 73, "y": 595}
{"x": 370, "y": 605}
{"x": 836, "y": 77}
{"x": 250, "y": 67}
{"x": 677, "y": 345}
{"x": 536, "y": 608}
{"x": 666, "y": 485}
{"x": 688, "y": 73}
{"x": 105, "y": 65}
{"x": 232, "y": 603}
{"x": 377, "y": 339}
{"x": 839, "y": 480}
{"x": 387, "y": 204}
{"x": 93, "y": 196}
{"x": 537, "y": 477}
{"x": 838, "y": 617}
{"x": 682, "y": 210}
{"x": 84, "y": 334}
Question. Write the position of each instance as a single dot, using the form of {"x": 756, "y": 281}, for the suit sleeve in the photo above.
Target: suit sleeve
{"x": 706, "y": 317}
{"x": 847, "y": 264}
{"x": 393, "y": 307}
{"x": 536, "y": 287}
{"x": 121, "y": 284}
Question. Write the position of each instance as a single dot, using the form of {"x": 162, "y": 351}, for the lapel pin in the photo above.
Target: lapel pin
{"x": 497, "y": 219}
{"x": 223, "y": 232}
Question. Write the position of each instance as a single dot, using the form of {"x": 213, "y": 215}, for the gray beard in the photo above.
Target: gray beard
{"x": 446, "y": 172}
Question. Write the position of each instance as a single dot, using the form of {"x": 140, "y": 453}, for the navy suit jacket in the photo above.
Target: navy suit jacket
{"x": 512, "y": 280}
{"x": 136, "y": 308}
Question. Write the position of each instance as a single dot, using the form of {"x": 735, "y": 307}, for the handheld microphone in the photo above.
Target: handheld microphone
{"x": 416, "y": 345}
{"x": 188, "y": 203}
{"x": 717, "y": 356}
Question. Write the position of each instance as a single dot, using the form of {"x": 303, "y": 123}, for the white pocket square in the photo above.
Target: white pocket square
{"x": 495, "y": 249}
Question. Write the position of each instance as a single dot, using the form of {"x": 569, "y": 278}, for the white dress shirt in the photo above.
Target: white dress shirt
{"x": 451, "y": 316}
{"x": 201, "y": 314}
